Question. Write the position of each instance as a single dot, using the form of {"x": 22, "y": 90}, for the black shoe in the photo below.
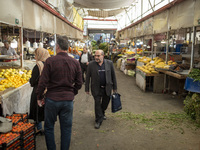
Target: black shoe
{"x": 104, "y": 118}
{"x": 97, "y": 125}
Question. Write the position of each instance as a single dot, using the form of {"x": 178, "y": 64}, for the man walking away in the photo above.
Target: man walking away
{"x": 103, "y": 81}
{"x": 62, "y": 77}
{"x": 84, "y": 60}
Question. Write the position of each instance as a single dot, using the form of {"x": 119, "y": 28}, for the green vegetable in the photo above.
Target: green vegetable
{"x": 192, "y": 106}
{"x": 195, "y": 74}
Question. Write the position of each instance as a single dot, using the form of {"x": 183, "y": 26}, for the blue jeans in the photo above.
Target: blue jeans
{"x": 64, "y": 109}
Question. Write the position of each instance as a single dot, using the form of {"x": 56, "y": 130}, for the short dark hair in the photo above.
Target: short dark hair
{"x": 63, "y": 42}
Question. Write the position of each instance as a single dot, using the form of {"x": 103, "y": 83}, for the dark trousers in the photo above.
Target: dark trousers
{"x": 63, "y": 109}
{"x": 84, "y": 70}
{"x": 101, "y": 104}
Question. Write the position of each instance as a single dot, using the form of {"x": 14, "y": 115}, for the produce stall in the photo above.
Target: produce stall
{"x": 15, "y": 91}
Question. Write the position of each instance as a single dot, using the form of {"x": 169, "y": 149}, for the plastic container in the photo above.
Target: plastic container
{"x": 192, "y": 86}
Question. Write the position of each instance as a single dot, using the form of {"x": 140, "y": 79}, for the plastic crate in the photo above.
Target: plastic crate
{"x": 9, "y": 141}
{"x": 192, "y": 86}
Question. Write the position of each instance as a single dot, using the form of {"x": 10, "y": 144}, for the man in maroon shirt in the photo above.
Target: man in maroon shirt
{"x": 63, "y": 78}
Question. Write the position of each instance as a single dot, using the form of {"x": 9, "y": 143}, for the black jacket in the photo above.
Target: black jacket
{"x": 93, "y": 76}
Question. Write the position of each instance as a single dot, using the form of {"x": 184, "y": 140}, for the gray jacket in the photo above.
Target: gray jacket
{"x": 93, "y": 75}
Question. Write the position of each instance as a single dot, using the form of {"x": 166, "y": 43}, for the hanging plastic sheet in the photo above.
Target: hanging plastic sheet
{"x": 47, "y": 22}
{"x": 17, "y": 100}
{"x": 139, "y": 29}
{"x": 11, "y": 12}
{"x": 160, "y": 22}
{"x": 148, "y": 26}
{"x": 182, "y": 15}
{"x": 196, "y": 13}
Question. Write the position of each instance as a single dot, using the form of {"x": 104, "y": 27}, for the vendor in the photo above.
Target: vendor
{"x": 7, "y": 50}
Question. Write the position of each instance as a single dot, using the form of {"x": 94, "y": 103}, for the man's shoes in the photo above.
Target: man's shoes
{"x": 104, "y": 117}
{"x": 97, "y": 125}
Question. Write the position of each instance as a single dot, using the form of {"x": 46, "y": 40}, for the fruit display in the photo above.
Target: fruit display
{"x": 139, "y": 51}
{"x": 14, "y": 78}
{"x": 50, "y": 52}
{"x": 159, "y": 63}
{"x": 148, "y": 68}
{"x": 144, "y": 59}
{"x": 17, "y": 118}
{"x": 21, "y": 126}
{"x": 9, "y": 138}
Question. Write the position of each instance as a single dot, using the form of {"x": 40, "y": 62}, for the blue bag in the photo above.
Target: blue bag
{"x": 116, "y": 102}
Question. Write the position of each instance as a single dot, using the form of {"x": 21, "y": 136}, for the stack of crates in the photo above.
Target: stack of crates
{"x": 25, "y": 131}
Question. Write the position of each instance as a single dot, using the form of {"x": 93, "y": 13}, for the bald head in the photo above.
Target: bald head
{"x": 99, "y": 56}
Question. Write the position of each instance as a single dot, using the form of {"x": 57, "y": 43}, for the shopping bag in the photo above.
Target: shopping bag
{"x": 116, "y": 102}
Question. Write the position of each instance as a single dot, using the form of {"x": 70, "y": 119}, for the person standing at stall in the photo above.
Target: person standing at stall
{"x": 99, "y": 41}
{"x": 36, "y": 112}
{"x": 84, "y": 60}
{"x": 103, "y": 81}
{"x": 63, "y": 78}
{"x": 7, "y": 50}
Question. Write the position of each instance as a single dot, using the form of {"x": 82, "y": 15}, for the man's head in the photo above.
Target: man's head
{"x": 99, "y": 56}
{"x": 100, "y": 37}
{"x": 6, "y": 44}
{"x": 62, "y": 44}
{"x": 85, "y": 50}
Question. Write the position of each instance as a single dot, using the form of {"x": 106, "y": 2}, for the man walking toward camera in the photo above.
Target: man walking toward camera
{"x": 62, "y": 77}
{"x": 103, "y": 81}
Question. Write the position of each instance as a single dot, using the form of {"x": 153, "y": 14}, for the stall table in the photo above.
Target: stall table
{"x": 175, "y": 80}
{"x": 16, "y": 100}
{"x": 144, "y": 80}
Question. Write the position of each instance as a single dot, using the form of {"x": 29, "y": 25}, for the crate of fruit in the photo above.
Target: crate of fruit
{"x": 9, "y": 141}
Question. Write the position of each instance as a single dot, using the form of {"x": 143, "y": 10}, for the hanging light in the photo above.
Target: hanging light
{"x": 13, "y": 43}
{"x": 155, "y": 44}
{"x": 163, "y": 42}
{"x": 40, "y": 45}
{"x": 35, "y": 45}
{"x": 28, "y": 44}
{"x": 148, "y": 46}
{"x": 52, "y": 43}
{"x": 1, "y": 43}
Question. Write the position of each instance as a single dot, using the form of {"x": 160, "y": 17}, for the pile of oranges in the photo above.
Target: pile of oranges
{"x": 14, "y": 78}
{"x": 22, "y": 127}
{"x": 8, "y": 137}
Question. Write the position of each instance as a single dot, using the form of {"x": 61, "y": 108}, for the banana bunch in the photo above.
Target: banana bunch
{"x": 130, "y": 52}
{"x": 148, "y": 68}
{"x": 144, "y": 59}
{"x": 159, "y": 63}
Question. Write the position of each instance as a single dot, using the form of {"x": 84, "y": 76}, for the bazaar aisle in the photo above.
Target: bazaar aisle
{"x": 140, "y": 125}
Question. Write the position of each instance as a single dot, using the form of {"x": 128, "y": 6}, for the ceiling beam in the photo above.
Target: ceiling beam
{"x": 100, "y": 19}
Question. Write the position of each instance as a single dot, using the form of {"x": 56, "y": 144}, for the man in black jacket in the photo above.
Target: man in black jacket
{"x": 84, "y": 60}
{"x": 103, "y": 81}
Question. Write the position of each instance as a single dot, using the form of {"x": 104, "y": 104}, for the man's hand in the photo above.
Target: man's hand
{"x": 40, "y": 102}
{"x": 87, "y": 93}
{"x": 87, "y": 63}
{"x": 114, "y": 91}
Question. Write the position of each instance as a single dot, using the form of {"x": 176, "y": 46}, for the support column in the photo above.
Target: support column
{"x": 192, "y": 50}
